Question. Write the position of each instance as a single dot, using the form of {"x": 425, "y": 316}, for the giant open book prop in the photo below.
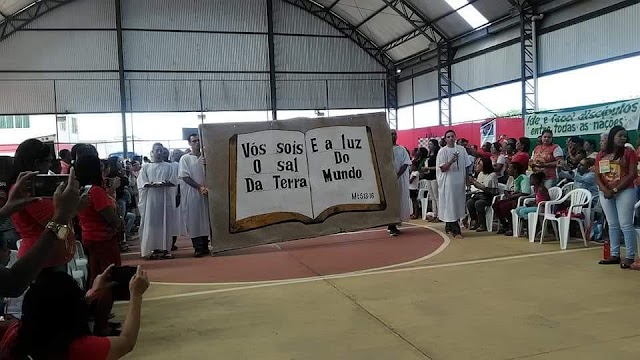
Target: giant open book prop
{"x": 284, "y": 180}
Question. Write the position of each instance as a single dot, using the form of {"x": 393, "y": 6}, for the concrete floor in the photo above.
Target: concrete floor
{"x": 483, "y": 297}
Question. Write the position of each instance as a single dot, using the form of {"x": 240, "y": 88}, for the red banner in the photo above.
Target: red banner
{"x": 510, "y": 127}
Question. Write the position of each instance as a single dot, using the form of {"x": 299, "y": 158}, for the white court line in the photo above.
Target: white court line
{"x": 388, "y": 271}
{"x": 440, "y": 249}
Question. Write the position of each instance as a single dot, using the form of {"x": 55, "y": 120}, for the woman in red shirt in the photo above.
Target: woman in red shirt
{"x": 616, "y": 170}
{"x": 55, "y": 321}
{"x": 546, "y": 157}
{"x": 521, "y": 156}
{"x": 30, "y": 222}
{"x": 101, "y": 231}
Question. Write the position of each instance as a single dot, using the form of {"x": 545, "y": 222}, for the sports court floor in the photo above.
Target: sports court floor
{"x": 370, "y": 296}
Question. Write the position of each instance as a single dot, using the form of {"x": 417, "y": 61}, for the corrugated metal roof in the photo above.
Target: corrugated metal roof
{"x": 400, "y": 28}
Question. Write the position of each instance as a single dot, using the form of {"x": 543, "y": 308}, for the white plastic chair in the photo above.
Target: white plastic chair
{"x": 567, "y": 188}
{"x": 424, "y": 203}
{"x": 422, "y": 188}
{"x": 78, "y": 275}
{"x": 529, "y": 200}
{"x": 423, "y": 197}
{"x": 554, "y": 194}
{"x": 532, "y": 220}
{"x": 515, "y": 219}
{"x": 489, "y": 212}
{"x": 81, "y": 260}
{"x": 13, "y": 306}
{"x": 579, "y": 199}
{"x": 635, "y": 210}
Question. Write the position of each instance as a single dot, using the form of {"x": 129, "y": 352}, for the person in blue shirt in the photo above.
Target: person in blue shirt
{"x": 585, "y": 178}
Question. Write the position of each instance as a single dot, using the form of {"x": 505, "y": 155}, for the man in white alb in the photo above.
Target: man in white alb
{"x": 176, "y": 155}
{"x": 401, "y": 165}
{"x": 193, "y": 200}
{"x": 156, "y": 186}
{"x": 451, "y": 172}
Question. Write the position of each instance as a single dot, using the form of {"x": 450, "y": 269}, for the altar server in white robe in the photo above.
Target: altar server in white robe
{"x": 176, "y": 155}
{"x": 194, "y": 205}
{"x": 402, "y": 167}
{"x": 451, "y": 173}
{"x": 156, "y": 186}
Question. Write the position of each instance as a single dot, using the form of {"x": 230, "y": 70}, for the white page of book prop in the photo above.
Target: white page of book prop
{"x": 283, "y": 175}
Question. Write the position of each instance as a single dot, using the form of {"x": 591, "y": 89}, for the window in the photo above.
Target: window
{"x": 6, "y": 122}
{"x": 22, "y": 122}
{"x": 62, "y": 123}
{"x": 74, "y": 125}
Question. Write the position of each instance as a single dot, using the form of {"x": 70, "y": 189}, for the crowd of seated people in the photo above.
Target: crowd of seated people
{"x": 609, "y": 173}
{"x": 60, "y": 317}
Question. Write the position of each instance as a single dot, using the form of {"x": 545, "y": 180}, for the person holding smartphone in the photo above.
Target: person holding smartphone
{"x": 102, "y": 230}
{"x": 15, "y": 280}
{"x": 55, "y": 322}
{"x": 31, "y": 221}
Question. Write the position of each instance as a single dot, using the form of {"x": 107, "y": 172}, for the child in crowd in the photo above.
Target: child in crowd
{"x": 517, "y": 185}
{"x": 541, "y": 192}
{"x": 414, "y": 180}
{"x": 585, "y": 178}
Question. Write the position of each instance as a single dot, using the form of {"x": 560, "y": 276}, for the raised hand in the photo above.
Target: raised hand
{"x": 19, "y": 197}
{"x": 139, "y": 283}
{"x": 66, "y": 200}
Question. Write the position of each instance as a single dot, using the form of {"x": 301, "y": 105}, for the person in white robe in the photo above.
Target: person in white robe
{"x": 176, "y": 155}
{"x": 451, "y": 173}
{"x": 157, "y": 204}
{"x": 194, "y": 204}
{"x": 402, "y": 167}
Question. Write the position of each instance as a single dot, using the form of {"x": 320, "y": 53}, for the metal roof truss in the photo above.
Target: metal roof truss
{"x": 345, "y": 28}
{"x": 22, "y": 18}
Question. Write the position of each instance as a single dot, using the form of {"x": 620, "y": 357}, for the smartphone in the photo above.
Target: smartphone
{"x": 122, "y": 275}
{"x": 84, "y": 191}
{"x": 46, "y": 185}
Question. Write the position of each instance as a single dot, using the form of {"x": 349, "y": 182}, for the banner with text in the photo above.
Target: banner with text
{"x": 584, "y": 120}
{"x": 278, "y": 181}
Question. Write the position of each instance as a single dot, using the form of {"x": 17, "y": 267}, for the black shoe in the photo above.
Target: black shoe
{"x": 174, "y": 248}
{"x": 198, "y": 254}
{"x": 502, "y": 230}
{"x": 612, "y": 260}
{"x": 626, "y": 264}
{"x": 394, "y": 232}
{"x": 205, "y": 251}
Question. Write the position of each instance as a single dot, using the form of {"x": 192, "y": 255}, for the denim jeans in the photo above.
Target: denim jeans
{"x": 130, "y": 222}
{"x": 523, "y": 211}
{"x": 619, "y": 214}
{"x": 122, "y": 208}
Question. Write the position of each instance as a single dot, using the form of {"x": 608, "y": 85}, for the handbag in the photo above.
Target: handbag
{"x": 480, "y": 196}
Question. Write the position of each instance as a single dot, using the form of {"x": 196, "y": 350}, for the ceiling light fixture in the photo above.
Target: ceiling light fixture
{"x": 468, "y": 12}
